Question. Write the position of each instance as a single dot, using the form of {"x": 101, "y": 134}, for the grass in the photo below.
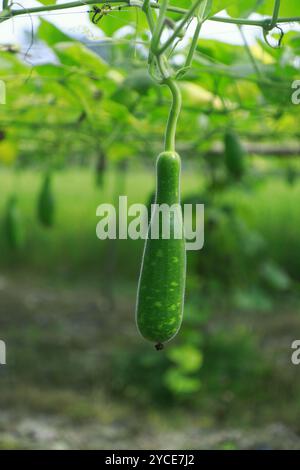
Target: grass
{"x": 71, "y": 247}
{"x": 276, "y": 214}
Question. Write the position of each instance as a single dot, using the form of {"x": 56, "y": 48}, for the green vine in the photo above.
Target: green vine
{"x": 9, "y": 13}
{"x": 159, "y": 64}
{"x": 174, "y": 114}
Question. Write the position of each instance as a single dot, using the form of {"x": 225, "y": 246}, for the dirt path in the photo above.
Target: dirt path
{"x": 59, "y": 341}
{"x": 37, "y": 432}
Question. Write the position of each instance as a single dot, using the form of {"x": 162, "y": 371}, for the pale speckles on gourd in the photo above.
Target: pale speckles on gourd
{"x": 173, "y": 307}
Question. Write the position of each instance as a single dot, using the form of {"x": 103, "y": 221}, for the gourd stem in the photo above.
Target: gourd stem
{"x": 159, "y": 26}
{"x": 148, "y": 12}
{"x": 190, "y": 56}
{"x": 275, "y": 14}
{"x": 186, "y": 18}
{"x": 174, "y": 114}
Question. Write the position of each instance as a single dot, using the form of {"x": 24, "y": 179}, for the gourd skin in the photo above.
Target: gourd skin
{"x": 161, "y": 288}
{"x": 46, "y": 202}
{"x": 234, "y": 155}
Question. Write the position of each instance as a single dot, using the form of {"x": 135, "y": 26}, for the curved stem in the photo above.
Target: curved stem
{"x": 170, "y": 136}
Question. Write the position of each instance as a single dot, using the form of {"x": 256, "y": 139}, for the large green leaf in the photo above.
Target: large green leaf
{"x": 51, "y": 71}
{"x": 243, "y": 8}
{"x": 287, "y": 7}
{"x": 181, "y": 3}
{"x": 111, "y": 21}
{"x": 220, "y": 53}
{"x": 217, "y": 5}
{"x": 48, "y": 2}
{"x": 77, "y": 55}
{"x": 51, "y": 34}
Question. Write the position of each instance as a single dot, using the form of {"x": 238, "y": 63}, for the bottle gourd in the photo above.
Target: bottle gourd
{"x": 46, "y": 202}
{"x": 13, "y": 224}
{"x": 100, "y": 169}
{"x": 234, "y": 155}
{"x": 160, "y": 297}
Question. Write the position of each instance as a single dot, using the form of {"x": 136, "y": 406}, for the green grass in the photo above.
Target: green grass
{"x": 276, "y": 212}
{"x": 71, "y": 246}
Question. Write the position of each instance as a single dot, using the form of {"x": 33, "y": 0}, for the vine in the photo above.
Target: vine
{"x": 8, "y": 12}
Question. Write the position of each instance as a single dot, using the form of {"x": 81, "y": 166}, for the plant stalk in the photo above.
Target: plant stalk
{"x": 170, "y": 136}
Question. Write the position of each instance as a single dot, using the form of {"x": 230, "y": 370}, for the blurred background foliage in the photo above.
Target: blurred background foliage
{"x": 89, "y": 116}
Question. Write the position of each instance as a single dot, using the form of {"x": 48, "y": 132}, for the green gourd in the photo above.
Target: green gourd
{"x": 13, "y": 224}
{"x": 291, "y": 175}
{"x": 100, "y": 169}
{"x": 160, "y": 297}
{"x": 140, "y": 81}
{"x": 234, "y": 155}
{"x": 45, "y": 206}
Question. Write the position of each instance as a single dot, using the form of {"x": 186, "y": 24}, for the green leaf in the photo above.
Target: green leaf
{"x": 287, "y": 8}
{"x": 219, "y": 5}
{"x": 216, "y": 5}
{"x": 48, "y": 2}
{"x": 139, "y": 80}
{"x": 243, "y": 8}
{"x": 77, "y": 55}
{"x": 180, "y": 383}
{"x": 275, "y": 277}
{"x": 110, "y": 22}
{"x": 51, "y": 34}
{"x": 180, "y": 4}
{"x": 188, "y": 358}
{"x": 51, "y": 71}
{"x": 221, "y": 52}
